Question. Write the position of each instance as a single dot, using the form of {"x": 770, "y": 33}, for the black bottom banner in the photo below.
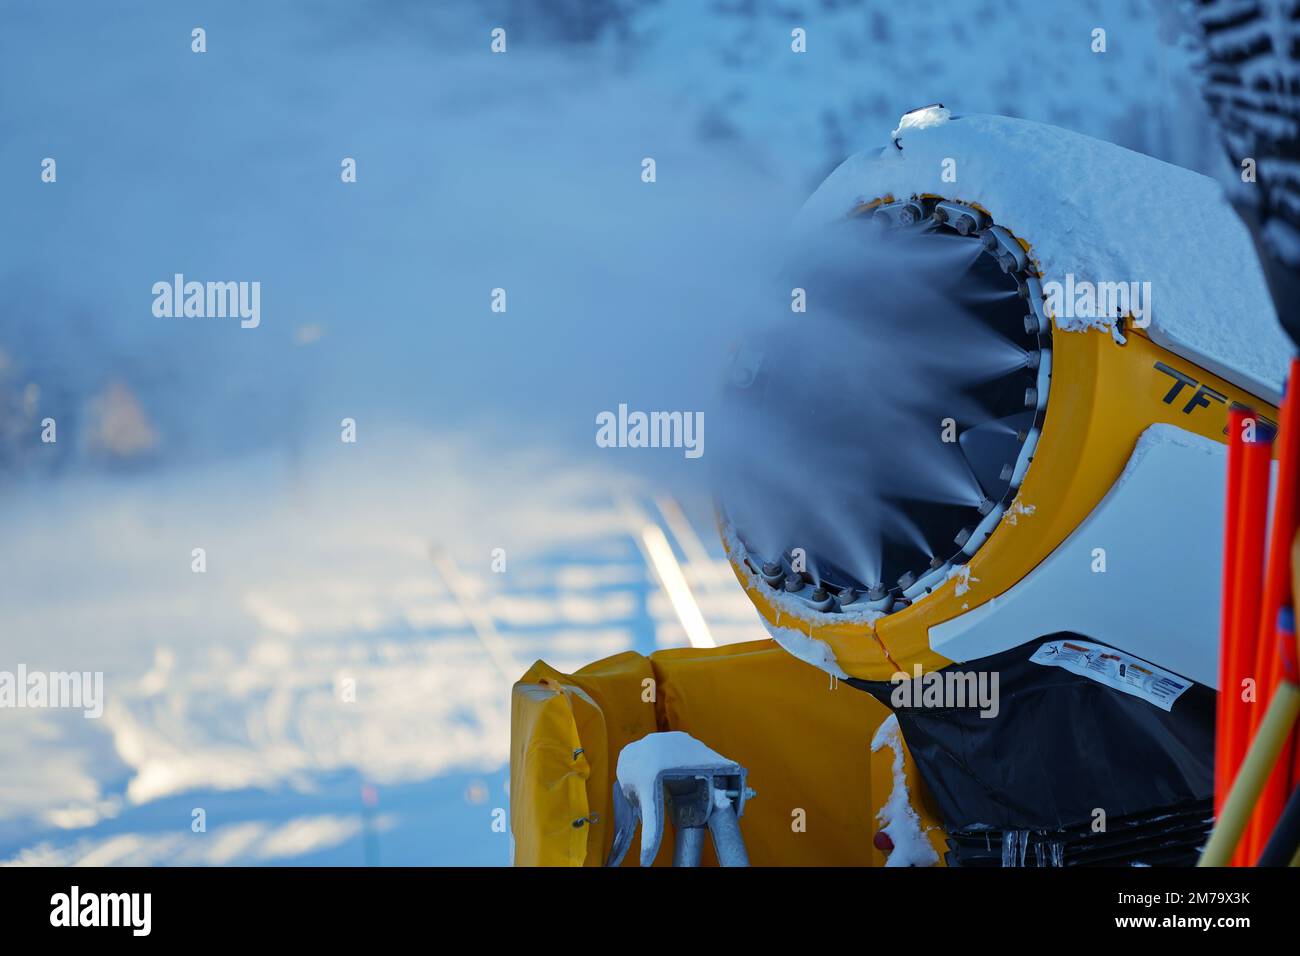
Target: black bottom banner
{"x": 335, "y": 906}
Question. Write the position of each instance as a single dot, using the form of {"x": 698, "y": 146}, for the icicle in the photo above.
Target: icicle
{"x": 1009, "y": 847}
{"x": 1015, "y": 844}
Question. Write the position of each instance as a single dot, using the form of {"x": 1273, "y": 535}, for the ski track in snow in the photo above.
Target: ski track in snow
{"x": 232, "y": 681}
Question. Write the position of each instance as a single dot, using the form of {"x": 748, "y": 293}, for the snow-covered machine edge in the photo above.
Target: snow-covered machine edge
{"x": 1097, "y": 212}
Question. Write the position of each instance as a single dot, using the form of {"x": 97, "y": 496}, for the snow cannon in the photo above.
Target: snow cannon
{"x": 974, "y": 484}
{"x": 1018, "y": 551}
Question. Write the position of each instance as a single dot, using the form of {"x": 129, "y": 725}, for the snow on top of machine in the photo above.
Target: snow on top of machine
{"x": 806, "y": 648}
{"x": 922, "y": 118}
{"x": 641, "y": 761}
{"x": 1092, "y": 212}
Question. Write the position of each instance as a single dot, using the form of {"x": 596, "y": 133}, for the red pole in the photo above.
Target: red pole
{"x": 1277, "y": 583}
{"x": 1277, "y": 593}
{"x": 1223, "y": 764}
{"x": 1252, "y": 521}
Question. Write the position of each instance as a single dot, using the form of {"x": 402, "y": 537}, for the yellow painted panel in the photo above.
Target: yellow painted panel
{"x": 804, "y": 738}
{"x": 1103, "y": 396}
{"x": 548, "y": 778}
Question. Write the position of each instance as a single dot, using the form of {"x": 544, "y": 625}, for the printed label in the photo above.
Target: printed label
{"x": 1115, "y": 669}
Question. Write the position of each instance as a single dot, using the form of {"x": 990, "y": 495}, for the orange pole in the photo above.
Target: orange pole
{"x": 1277, "y": 593}
{"x": 1252, "y": 521}
{"x": 1291, "y": 662}
{"x": 1224, "y": 770}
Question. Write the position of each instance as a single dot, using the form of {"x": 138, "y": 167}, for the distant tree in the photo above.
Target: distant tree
{"x": 1251, "y": 83}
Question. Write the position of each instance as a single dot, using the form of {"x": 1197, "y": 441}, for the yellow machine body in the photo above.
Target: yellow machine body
{"x": 805, "y": 739}
{"x": 1104, "y": 394}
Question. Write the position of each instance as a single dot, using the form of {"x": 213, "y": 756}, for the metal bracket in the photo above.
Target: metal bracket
{"x": 702, "y": 797}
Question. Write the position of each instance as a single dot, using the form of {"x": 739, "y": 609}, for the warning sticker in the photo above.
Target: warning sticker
{"x": 1114, "y": 669}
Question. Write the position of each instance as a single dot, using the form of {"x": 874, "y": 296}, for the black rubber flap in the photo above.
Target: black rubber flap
{"x": 1060, "y": 747}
